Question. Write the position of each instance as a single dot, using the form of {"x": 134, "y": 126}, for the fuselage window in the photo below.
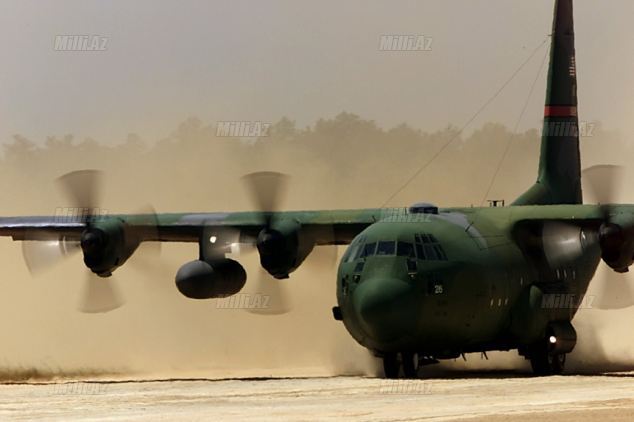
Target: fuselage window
{"x": 386, "y": 248}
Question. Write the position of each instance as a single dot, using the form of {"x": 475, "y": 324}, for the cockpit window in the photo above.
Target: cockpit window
{"x": 420, "y": 251}
{"x": 440, "y": 252}
{"x": 362, "y": 250}
{"x": 386, "y": 247}
{"x": 368, "y": 250}
{"x": 430, "y": 253}
{"x": 428, "y": 248}
{"x": 405, "y": 249}
{"x": 353, "y": 250}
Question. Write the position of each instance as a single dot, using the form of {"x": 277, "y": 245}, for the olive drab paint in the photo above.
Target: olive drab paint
{"x": 559, "y": 177}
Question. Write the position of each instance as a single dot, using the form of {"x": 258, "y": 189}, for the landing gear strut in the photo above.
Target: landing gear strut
{"x": 548, "y": 356}
{"x": 410, "y": 365}
{"x": 392, "y": 364}
{"x": 545, "y": 363}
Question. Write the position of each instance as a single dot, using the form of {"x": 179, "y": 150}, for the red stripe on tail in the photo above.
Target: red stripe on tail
{"x": 560, "y": 111}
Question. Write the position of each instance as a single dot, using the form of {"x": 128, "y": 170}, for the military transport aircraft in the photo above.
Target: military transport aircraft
{"x": 415, "y": 284}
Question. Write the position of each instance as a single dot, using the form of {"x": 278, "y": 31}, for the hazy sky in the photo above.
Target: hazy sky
{"x": 260, "y": 60}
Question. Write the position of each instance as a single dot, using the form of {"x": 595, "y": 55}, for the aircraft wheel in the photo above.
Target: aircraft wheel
{"x": 544, "y": 363}
{"x": 390, "y": 365}
{"x": 410, "y": 365}
{"x": 557, "y": 363}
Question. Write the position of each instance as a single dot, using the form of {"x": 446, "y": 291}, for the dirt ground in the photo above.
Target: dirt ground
{"x": 474, "y": 396}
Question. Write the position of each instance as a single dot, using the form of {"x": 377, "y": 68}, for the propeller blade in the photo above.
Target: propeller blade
{"x": 99, "y": 295}
{"x": 42, "y": 255}
{"x": 612, "y": 290}
{"x": 274, "y": 292}
{"x": 266, "y": 189}
{"x": 83, "y": 188}
{"x": 604, "y": 182}
{"x": 238, "y": 249}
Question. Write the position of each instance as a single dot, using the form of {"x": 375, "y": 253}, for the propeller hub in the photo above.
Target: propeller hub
{"x": 611, "y": 239}
{"x": 91, "y": 241}
{"x": 269, "y": 241}
{"x": 274, "y": 254}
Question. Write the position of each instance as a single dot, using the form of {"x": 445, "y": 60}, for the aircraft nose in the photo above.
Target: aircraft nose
{"x": 386, "y": 308}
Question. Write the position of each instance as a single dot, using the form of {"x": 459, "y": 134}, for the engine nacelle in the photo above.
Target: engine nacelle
{"x": 203, "y": 280}
{"x": 106, "y": 246}
{"x": 283, "y": 247}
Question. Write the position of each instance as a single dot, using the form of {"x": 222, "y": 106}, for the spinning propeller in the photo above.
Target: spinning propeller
{"x": 564, "y": 242}
{"x": 605, "y": 185}
{"x": 99, "y": 292}
{"x": 267, "y": 191}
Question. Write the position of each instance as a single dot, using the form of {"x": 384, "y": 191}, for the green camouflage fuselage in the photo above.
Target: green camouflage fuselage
{"x": 484, "y": 290}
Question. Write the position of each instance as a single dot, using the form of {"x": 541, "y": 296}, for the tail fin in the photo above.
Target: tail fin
{"x": 559, "y": 178}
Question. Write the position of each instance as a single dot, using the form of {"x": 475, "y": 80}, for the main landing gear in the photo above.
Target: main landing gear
{"x": 548, "y": 364}
{"x": 545, "y": 360}
{"x": 393, "y": 362}
{"x": 548, "y": 356}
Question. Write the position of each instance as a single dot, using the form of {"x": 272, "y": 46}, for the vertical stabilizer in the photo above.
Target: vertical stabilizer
{"x": 559, "y": 177}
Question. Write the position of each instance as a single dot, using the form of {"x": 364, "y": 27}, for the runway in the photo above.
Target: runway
{"x": 473, "y": 396}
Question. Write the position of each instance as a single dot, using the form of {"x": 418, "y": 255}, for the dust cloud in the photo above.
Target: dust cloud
{"x": 343, "y": 162}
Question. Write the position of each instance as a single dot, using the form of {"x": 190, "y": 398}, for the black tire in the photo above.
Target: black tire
{"x": 410, "y": 365}
{"x": 557, "y": 363}
{"x": 390, "y": 366}
{"x": 539, "y": 364}
{"x": 544, "y": 363}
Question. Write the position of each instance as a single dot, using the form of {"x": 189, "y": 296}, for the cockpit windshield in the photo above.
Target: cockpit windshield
{"x": 386, "y": 247}
{"x": 405, "y": 249}
{"x": 368, "y": 250}
{"x": 426, "y": 247}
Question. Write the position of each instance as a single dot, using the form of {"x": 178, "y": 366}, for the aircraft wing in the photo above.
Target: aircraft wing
{"x": 326, "y": 227}
{"x": 283, "y": 239}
